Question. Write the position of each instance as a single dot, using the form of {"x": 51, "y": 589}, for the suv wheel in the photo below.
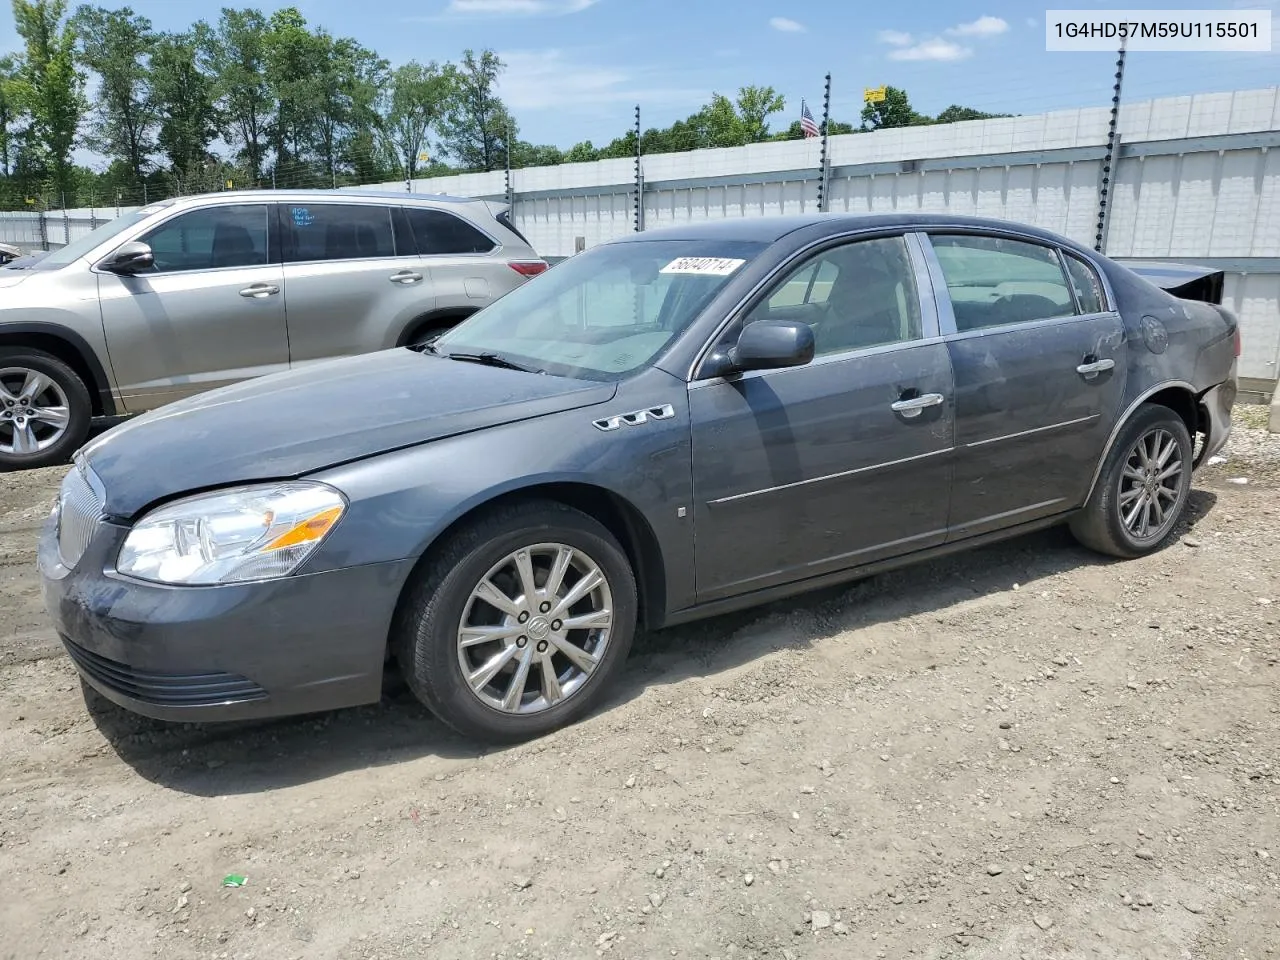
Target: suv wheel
{"x": 44, "y": 409}
{"x": 520, "y": 623}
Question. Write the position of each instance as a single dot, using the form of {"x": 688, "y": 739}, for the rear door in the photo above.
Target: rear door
{"x": 352, "y": 278}
{"x": 210, "y": 312}
{"x": 1038, "y": 361}
{"x": 845, "y": 460}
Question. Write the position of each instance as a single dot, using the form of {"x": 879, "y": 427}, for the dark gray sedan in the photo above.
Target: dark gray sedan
{"x": 673, "y": 425}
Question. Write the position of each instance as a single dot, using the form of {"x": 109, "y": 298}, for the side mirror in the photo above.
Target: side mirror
{"x": 132, "y": 257}
{"x": 772, "y": 344}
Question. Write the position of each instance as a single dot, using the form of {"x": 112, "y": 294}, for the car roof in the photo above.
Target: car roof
{"x": 771, "y": 229}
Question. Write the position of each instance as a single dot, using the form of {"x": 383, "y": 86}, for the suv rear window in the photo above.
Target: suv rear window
{"x": 438, "y": 233}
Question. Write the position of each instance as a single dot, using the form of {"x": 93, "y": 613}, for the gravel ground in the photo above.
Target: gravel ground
{"x": 1025, "y": 751}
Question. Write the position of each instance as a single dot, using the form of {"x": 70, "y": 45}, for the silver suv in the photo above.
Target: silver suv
{"x": 190, "y": 294}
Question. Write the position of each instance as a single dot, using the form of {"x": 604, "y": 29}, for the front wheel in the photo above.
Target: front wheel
{"x": 520, "y": 622}
{"x": 1144, "y": 487}
{"x": 45, "y": 409}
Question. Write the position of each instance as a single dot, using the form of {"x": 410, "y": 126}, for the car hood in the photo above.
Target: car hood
{"x": 12, "y": 276}
{"x": 317, "y": 416}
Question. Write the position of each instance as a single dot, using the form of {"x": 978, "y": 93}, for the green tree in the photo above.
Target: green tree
{"x": 415, "y": 99}
{"x": 956, "y": 113}
{"x": 344, "y": 95}
{"x": 584, "y": 152}
{"x": 183, "y": 100}
{"x": 755, "y": 106}
{"x": 476, "y": 126}
{"x": 530, "y": 155}
{"x": 114, "y": 44}
{"x": 48, "y": 88}
{"x": 8, "y": 115}
{"x": 894, "y": 110}
{"x": 235, "y": 53}
{"x": 834, "y": 128}
{"x": 290, "y": 54}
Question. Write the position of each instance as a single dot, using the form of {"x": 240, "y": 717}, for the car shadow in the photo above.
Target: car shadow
{"x": 251, "y": 757}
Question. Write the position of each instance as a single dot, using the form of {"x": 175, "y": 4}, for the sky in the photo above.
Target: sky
{"x": 577, "y": 68}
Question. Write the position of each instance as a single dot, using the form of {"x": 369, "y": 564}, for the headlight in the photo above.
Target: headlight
{"x": 229, "y": 536}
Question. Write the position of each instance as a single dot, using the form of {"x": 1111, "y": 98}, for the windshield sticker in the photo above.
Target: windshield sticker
{"x": 703, "y": 266}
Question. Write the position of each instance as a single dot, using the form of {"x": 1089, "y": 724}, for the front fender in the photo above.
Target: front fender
{"x": 403, "y": 502}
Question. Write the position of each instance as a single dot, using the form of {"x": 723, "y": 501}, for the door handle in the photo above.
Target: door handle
{"x": 257, "y": 291}
{"x": 406, "y": 277}
{"x": 1092, "y": 368}
{"x": 913, "y": 406}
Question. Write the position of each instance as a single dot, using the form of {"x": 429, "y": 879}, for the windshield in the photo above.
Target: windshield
{"x": 76, "y": 249}
{"x": 606, "y": 313}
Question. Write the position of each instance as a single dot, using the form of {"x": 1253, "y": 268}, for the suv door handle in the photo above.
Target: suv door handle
{"x": 913, "y": 406}
{"x": 257, "y": 291}
{"x": 406, "y": 277}
{"x": 1091, "y": 368}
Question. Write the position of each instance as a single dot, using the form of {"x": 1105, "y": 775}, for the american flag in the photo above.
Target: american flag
{"x": 807, "y": 124}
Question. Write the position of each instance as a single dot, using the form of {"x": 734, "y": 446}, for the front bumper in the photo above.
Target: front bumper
{"x": 240, "y": 651}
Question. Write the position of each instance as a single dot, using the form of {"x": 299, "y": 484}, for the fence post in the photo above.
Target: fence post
{"x": 823, "y": 200}
{"x": 1110, "y": 159}
{"x": 639, "y": 178}
{"x": 66, "y": 221}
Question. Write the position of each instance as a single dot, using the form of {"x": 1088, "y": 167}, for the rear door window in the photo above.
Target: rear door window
{"x": 996, "y": 281}
{"x": 336, "y": 231}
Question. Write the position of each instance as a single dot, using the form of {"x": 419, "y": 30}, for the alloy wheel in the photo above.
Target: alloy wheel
{"x": 34, "y": 412}
{"x": 535, "y": 628}
{"x": 1151, "y": 485}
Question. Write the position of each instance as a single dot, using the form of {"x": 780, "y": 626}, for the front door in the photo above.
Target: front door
{"x": 1039, "y": 378}
{"x": 808, "y": 470}
{"x": 211, "y": 312}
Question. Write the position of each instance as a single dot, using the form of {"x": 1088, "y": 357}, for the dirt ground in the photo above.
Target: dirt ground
{"x": 1026, "y": 751}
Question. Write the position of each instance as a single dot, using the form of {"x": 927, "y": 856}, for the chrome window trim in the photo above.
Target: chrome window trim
{"x": 750, "y": 299}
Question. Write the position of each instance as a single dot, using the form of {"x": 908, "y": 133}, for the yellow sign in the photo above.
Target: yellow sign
{"x": 873, "y": 94}
{"x": 231, "y": 184}
{"x": 423, "y": 157}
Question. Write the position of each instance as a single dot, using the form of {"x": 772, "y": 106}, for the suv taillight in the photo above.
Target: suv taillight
{"x": 528, "y": 268}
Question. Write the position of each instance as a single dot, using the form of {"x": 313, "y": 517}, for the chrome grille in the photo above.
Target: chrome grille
{"x": 79, "y": 513}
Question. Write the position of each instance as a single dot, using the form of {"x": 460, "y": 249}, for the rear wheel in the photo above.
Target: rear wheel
{"x": 45, "y": 409}
{"x": 520, "y": 623}
{"x": 1144, "y": 487}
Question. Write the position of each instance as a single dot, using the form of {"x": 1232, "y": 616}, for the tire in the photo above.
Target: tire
{"x": 27, "y": 442}
{"x": 1102, "y": 525}
{"x": 427, "y": 635}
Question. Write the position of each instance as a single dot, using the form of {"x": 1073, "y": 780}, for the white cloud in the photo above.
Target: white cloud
{"x": 982, "y": 27}
{"x": 932, "y": 49}
{"x": 894, "y": 37}
{"x": 785, "y": 25}
{"x": 515, "y": 8}
{"x": 547, "y": 80}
